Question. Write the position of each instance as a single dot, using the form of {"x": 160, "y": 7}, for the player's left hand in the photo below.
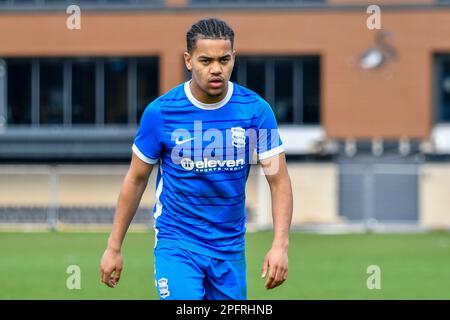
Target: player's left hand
{"x": 276, "y": 262}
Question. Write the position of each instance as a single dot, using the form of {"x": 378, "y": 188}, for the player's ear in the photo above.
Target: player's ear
{"x": 187, "y": 60}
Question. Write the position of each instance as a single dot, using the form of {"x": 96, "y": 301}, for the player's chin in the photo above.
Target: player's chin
{"x": 214, "y": 92}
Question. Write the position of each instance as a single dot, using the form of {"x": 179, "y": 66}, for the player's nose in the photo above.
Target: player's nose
{"x": 216, "y": 69}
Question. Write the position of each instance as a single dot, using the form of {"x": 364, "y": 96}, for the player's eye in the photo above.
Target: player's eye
{"x": 225, "y": 60}
{"x": 203, "y": 61}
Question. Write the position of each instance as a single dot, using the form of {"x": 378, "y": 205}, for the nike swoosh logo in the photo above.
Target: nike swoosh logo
{"x": 178, "y": 141}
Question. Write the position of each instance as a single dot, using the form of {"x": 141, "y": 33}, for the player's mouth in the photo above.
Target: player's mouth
{"x": 215, "y": 83}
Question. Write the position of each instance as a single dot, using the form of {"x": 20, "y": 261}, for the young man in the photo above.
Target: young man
{"x": 203, "y": 132}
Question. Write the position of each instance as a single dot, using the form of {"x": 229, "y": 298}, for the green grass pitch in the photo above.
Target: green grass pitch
{"x": 413, "y": 266}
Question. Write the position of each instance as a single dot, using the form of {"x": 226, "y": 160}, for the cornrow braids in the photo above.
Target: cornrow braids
{"x": 210, "y": 28}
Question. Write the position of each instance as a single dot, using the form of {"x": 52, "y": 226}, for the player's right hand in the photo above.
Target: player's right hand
{"x": 111, "y": 267}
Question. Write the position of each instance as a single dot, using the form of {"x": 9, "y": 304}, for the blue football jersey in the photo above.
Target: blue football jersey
{"x": 205, "y": 152}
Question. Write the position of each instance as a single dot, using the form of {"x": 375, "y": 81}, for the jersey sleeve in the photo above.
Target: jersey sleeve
{"x": 148, "y": 143}
{"x": 269, "y": 142}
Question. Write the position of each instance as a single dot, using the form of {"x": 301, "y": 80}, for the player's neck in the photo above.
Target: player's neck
{"x": 201, "y": 96}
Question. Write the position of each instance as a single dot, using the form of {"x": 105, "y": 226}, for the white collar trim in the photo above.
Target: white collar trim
{"x": 208, "y": 106}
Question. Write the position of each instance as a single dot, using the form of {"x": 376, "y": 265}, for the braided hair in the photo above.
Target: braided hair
{"x": 210, "y": 28}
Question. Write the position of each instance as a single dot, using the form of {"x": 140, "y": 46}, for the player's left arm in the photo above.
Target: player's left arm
{"x": 276, "y": 260}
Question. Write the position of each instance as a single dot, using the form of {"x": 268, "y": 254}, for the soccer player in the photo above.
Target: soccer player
{"x": 204, "y": 133}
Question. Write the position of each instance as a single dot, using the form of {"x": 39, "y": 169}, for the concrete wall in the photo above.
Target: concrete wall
{"x": 434, "y": 193}
{"x": 75, "y": 186}
{"x": 315, "y": 190}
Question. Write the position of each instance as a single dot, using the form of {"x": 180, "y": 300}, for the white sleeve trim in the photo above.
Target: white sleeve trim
{"x": 142, "y": 156}
{"x": 270, "y": 153}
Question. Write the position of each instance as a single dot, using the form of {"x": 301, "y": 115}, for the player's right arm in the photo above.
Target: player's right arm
{"x": 130, "y": 196}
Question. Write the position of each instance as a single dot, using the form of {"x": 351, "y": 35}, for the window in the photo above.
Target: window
{"x": 256, "y": 76}
{"x": 291, "y": 85}
{"x": 443, "y": 88}
{"x": 80, "y": 91}
{"x": 147, "y": 84}
{"x": 19, "y": 91}
{"x": 311, "y": 91}
{"x": 284, "y": 98}
{"x": 51, "y": 92}
{"x": 445, "y": 98}
{"x": 116, "y": 91}
{"x": 83, "y": 91}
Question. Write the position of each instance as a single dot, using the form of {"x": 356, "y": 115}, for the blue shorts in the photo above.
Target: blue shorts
{"x": 184, "y": 275}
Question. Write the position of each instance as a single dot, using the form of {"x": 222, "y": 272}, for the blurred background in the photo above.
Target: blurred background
{"x": 363, "y": 113}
